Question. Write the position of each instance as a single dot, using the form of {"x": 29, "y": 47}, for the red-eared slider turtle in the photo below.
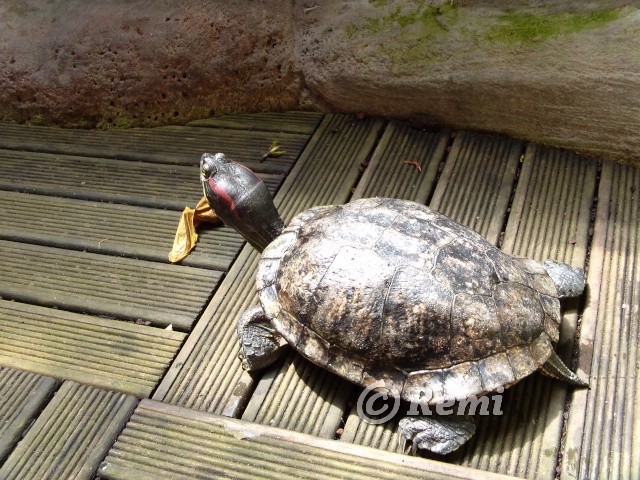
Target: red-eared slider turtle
{"x": 391, "y": 294}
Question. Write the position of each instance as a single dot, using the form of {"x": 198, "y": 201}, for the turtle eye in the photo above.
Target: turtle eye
{"x": 207, "y": 167}
{"x": 208, "y": 170}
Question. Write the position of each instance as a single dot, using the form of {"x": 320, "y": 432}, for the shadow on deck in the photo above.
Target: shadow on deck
{"x": 92, "y": 381}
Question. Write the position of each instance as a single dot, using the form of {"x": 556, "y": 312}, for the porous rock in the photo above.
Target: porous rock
{"x": 121, "y": 63}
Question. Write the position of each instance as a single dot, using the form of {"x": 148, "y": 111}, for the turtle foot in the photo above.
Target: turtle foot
{"x": 435, "y": 433}
{"x": 260, "y": 343}
{"x": 569, "y": 281}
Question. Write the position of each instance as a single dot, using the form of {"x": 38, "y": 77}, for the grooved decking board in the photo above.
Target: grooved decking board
{"x": 483, "y": 169}
{"x": 102, "y": 284}
{"x": 101, "y": 352}
{"x": 118, "y": 181}
{"x": 71, "y": 436}
{"x": 603, "y": 431}
{"x": 474, "y": 189}
{"x": 172, "y": 145}
{"x": 387, "y": 176}
{"x": 293, "y": 122}
{"x": 206, "y": 374}
{"x": 549, "y": 219}
{"x": 22, "y": 396}
{"x": 165, "y": 441}
{"x": 298, "y": 395}
{"x": 99, "y": 227}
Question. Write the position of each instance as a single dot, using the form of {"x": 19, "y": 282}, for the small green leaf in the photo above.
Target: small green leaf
{"x": 274, "y": 151}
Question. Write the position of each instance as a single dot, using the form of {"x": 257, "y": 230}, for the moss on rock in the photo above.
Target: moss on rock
{"x": 430, "y": 20}
{"x": 521, "y": 28}
{"x": 412, "y": 31}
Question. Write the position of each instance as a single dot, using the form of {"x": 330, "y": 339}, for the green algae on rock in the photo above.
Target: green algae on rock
{"x": 523, "y": 28}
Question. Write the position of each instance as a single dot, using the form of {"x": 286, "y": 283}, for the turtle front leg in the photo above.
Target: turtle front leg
{"x": 436, "y": 433}
{"x": 260, "y": 343}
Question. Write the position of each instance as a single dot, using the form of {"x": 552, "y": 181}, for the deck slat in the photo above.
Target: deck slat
{"x": 101, "y": 284}
{"x": 481, "y": 167}
{"x": 387, "y": 175}
{"x": 162, "y": 441}
{"x": 292, "y": 122}
{"x": 99, "y": 227}
{"x": 104, "y": 353}
{"x": 603, "y": 432}
{"x": 71, "y": 436}
{"x": 22, "y": 396}
{"x": 299, "y": 396}
{"x": 207, "y": 375}
{"x": 549, "y": 219}
{"x": 118, "y": 181}
{"x": 297, "y": 391}
{"x": 170, "y": 145}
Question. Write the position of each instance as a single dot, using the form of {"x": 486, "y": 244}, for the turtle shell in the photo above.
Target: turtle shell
{"x": 389, "y": 292}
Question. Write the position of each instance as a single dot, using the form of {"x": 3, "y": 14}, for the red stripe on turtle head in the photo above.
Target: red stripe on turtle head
{"x": 224, "y": 197}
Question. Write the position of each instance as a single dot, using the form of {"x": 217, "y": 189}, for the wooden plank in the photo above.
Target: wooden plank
{"x": 71, "y": 436}
{"x": 481, "y": 167}
{"x": 206, "y": 374}
{"x": 549, "y": 219}
{"x": 389, "y": 175}
{"x": 165, "y": 441}
{"x": 117, "y": 181}
{"x": 298, "y": 395}
{"x": 292, "y": 122}
{"x": 22, "y": 396}
{"x": 170, "y": 145}
{"x": 112, "y": 229}
{"x": 123, "y": 356}
{"x": 105, "y": 285}
{"x": 603, "y": 432}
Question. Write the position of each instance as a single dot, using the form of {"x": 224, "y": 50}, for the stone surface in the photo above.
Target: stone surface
{"x": 563, "y": 73}
{"x": 122, "y": 63}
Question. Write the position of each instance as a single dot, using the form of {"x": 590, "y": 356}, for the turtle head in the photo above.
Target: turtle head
{"x": 240, "y": 199}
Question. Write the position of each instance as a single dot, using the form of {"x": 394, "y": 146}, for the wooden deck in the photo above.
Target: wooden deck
{"x": 93, "y": 383}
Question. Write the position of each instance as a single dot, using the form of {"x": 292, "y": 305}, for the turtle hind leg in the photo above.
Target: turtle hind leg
{"x": 436, "y": 433}
{"x": 260, "y": 343}
{"x": 569, "y": 281}
{"x": 555, "y": 368}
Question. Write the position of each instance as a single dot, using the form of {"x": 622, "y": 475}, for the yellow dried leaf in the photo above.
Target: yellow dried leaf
{"x": 186, "y": 236}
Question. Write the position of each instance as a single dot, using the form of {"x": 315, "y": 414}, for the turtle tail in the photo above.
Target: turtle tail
{"x": 555, "y": 368}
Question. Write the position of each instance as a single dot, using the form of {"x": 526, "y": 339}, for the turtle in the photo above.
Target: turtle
{"x": 395, "y": 297}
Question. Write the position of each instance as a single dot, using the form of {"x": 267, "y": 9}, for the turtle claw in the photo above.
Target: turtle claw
{"x": 406, "y": 436}
{"x": 402, "y": 441}
{"x": 437, "y": 434}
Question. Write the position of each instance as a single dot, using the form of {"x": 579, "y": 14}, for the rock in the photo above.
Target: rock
{"x": 91, "y": 63}
{"x": 562, "y": 73}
